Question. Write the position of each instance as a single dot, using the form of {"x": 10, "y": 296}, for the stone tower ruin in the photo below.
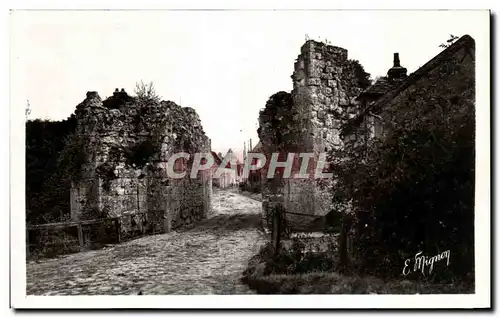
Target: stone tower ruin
{"x": 325, "y": 86}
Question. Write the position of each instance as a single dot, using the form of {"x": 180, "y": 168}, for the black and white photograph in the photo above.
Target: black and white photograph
{"x": 335, "y": 153}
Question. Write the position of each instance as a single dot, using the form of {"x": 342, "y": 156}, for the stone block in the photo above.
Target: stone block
{"x": 327, "y": 76}
{"x": 314, "y": 82}
{"x": 321, "y": 114}
{"x": 326, "y": 91}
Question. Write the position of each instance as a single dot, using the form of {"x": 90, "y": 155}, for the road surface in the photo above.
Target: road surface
{"x": 206, "y": 259}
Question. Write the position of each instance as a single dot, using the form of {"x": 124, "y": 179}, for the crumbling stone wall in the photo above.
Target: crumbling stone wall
{"x": 127, "y": 143}
{"x": 325, "y": 86}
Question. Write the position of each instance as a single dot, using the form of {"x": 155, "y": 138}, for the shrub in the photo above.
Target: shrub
{"x": 146, "y": 92}
{"x": 291, "y": 260}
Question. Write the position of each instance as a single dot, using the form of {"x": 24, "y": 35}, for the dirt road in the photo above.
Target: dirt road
{"x": 207, "y": 259}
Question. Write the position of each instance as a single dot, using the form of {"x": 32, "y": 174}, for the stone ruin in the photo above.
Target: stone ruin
{"x": 126, "y": 143}
{"x": 325, "y": 88}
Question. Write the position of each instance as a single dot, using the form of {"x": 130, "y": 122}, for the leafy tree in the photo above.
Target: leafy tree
{"x": 363, "y": 78}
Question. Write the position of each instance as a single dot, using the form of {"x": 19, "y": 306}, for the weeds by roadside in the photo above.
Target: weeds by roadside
{"x": 295, "y": 272}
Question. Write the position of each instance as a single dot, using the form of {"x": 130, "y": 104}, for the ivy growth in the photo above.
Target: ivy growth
{"x": 106, "y": 172}
{"x": 141, "y": 154}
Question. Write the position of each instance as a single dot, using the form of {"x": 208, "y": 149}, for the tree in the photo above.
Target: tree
{"x": 362, "y": 76}
{"x": 27, "y": 110}
{"x": 47, "y": 184}
{"x": 146, "y": 92}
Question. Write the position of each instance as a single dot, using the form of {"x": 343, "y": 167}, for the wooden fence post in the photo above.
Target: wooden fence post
{"x": 343, "y": 244}
{"x": 276, "y": 233}
{"x": 118, "y": 229}
{"x": 80, "y": 236}
{"x": 27, "y": 243}
{"x": 278, "y": 219}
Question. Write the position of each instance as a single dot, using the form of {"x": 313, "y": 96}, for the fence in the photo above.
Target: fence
{"x": 48, "y": 240}
{"x": 282, "y": 228}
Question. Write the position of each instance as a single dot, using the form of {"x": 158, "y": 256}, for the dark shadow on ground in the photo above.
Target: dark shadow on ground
{"x": 228, "y": 223}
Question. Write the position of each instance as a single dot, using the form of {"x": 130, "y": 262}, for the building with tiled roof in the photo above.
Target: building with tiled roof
{"x": 388, "y": 89}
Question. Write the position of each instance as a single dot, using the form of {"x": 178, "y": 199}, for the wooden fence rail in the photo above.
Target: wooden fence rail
{"x": 74, "y": 236}
{"x": 280, "y": 229}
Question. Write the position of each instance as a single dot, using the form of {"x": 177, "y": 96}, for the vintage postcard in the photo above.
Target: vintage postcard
{"x": 343, "y": 156}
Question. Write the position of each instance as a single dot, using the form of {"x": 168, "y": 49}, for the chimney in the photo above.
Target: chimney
{"x": 396, "y": 72}
{"x": 396, "y": 60}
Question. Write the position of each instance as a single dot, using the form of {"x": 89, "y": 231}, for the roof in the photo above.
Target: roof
{"x": 257, "y": 148}
{"x": 217, "y": 159}
{"x": 232, "y": 156}
{"x": 464, "y": 41}
{"x": 381, "y": 86}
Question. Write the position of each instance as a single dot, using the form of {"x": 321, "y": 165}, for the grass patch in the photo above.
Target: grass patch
{"x": 334, "y": 283}
{"x": 292, "y": 272}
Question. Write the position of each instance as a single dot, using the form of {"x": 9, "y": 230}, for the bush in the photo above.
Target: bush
{"x": 292, "y": 260}
{"x": 146, "y": 93}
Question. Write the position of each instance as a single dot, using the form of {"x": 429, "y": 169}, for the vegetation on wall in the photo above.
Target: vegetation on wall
{"x": 146, "y": 92}
{"x": 141, "y": 154}
{"x": 449, "y": 42}
{"x": 276, "y": 120}
{"x": 106, "y": 172}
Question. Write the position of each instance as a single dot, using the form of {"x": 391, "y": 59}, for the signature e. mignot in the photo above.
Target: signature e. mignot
{"x": 423, "y": 262}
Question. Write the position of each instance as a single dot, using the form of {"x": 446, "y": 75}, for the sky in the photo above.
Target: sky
{"x": 224, "y": 64}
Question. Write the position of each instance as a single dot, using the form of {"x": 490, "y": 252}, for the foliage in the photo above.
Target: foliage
{"x": 276, "y": 120}
{"x": 277, "y": 127}
{"x": 140, "y": 155}
{"x": 106, "y": 171}
{"x": 412, "y": 189}
{"x": 27, "y": 110}
{"x": 292, "y": 259}
{"x": 47, "y": 184}
{"x": 335, "y": 283}
{"x": 47, "y": 243}
{"x": 362, "y": 76}
{"x": 449, "y": 42}
{"x": 146, "y": 92}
